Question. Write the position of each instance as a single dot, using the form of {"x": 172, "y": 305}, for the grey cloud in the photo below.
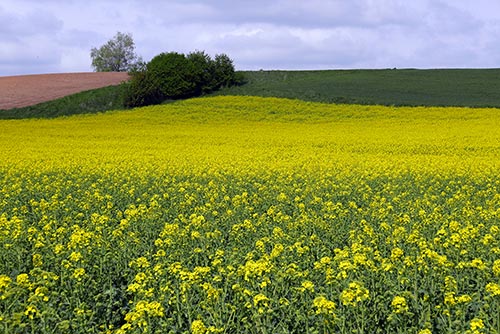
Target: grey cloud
{"x": 279, "y": 48}
{"x": 443, "y": 18}
{"x": 311, "y": 14}
{"x": 28, "y": 42}
{"x": 23, "y": 58}
{"x": 81, "y": 38}
{"x": 279, "y": 34}
{"x": 14, "y": 27}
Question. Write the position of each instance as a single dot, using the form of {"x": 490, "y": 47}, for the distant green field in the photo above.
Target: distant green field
{"x": 446, "y": 87}
{"x": 405, "y": 87}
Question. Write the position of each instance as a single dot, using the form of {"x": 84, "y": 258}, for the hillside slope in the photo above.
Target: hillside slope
{"x": 406, "y": 87}
{"x": 27, "y": 90}
{"x": 435, "y": 87}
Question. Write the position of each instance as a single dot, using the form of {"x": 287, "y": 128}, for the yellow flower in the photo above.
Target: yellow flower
{"x": 464, "y": 299}
{"x": 476, "y": 324}
{"x": 277, "y": 250}
{"x": 134, "y": 287}
{"x": 153, "y": 309}
{"x": 31, "y": 311}
{"x": 75, "y": 256}
{"x": 450, "y": 283}
{"x": 212, "y": 293}
{"x": 140, "y": 278}
{"x": 58, "y": 248}
{"x": 354, "y": 294}
{"x": 396, "y": 253}
{"x": 23, "y": 280}
{"x": 142, "y": 262}
{"x": 323, "y": 305}
{"x": 78, "y": 274}
{"x": 425, "y": 331}
{"x": 37, "y": 260}
{"x": 198, "y": 327}
{"x": 259, "y": 244}
{"x": 399, "y": 305}
{"x": 307, "y": 286}
{"x": 160, "y": 253}
{"x": 260, "y": 300}
{"x": 4, "y": 285}
{"x": 494, "y": 229}
{"x": 4, "y": 281}
{"x": 496, "y": 268}
{"x": 79, "y": 311}
{"x": 142, "y": 311}
{"x": 493, "y": 289}
{"x": 449, "y": 298}
{"x": 323, "y": 262}
{"x": 478, "y": 263}
{"x": 41, "y": 293}
{"x": 257, "y": 268}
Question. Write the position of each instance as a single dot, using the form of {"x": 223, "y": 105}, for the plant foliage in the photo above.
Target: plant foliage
{"x": 172, "y": 75}
{"x": 117, "y": 55}
{"x": 251, "y": 215}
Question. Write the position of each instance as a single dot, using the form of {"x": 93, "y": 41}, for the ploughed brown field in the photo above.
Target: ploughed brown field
{"x": 25, "y": 90}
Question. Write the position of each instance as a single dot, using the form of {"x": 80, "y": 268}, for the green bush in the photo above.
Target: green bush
{"x": 203, "y": 70}
{"x": 175, "y": 76}
{"x": 142, "y": 91}
{"x": 224, "y": 75}
{"x": 173, "y": 73}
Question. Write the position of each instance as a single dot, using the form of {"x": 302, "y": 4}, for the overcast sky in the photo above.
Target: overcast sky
{"x": 46, "y": 36}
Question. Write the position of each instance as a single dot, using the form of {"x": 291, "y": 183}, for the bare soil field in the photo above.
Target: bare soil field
{"x": 25, "y": 90}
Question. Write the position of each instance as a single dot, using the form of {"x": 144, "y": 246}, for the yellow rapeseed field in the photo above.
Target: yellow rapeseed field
{"x": 252, "y": 215}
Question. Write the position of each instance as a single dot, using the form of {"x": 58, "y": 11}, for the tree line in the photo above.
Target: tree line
{"x": 167, "y": 76}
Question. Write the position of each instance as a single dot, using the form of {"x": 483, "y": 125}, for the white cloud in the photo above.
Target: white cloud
{"x": 51, "y": 35}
